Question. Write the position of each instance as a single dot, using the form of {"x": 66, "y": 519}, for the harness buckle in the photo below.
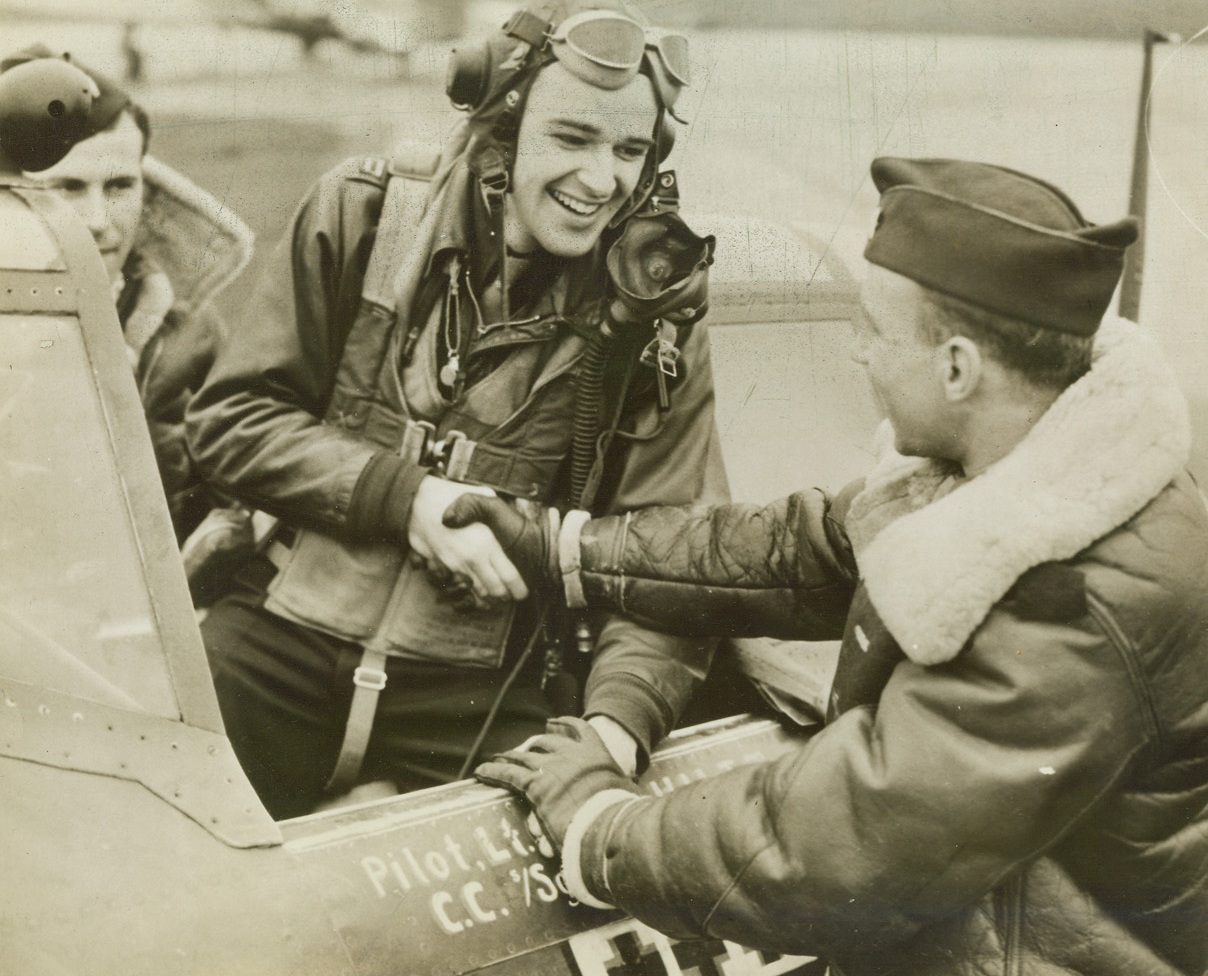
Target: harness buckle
{"x": 372, "y": 679}
{"x": 451, "y": 456}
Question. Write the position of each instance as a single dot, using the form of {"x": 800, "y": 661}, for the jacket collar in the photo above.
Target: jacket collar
{"x": 462, "y": 226}
{"x": 937, "y": 553}
{"x": 191, "y": 236}
{"x": 145, "y": 301}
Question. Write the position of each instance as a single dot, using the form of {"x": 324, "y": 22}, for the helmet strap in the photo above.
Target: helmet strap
{"x": 499, "y": 218}
{"x": 648, "y": 178}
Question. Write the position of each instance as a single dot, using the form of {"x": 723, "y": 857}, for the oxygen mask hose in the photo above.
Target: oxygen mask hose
{"x": 657, "y": 269}
{"x": 589, "y": 398}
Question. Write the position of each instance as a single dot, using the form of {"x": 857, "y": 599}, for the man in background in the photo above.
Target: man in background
{"x": 169, "y": 248}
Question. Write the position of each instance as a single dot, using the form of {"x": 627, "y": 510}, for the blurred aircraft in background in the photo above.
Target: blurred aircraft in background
{"x": 369, "y": 27}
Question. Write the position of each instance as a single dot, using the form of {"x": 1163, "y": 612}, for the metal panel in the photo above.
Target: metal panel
{"x": 75, "y": 615}
{"x": 102, "y": 877}
{"x": 452, "y": 880}
{"x": 43, "y": 292}
{"x": 193, "y": 770}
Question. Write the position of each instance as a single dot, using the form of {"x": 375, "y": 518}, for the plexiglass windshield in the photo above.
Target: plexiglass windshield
{"x": 75, "y": 614}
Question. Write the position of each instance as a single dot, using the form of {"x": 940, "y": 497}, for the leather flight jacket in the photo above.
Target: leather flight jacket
{"x": 510, "y": 431}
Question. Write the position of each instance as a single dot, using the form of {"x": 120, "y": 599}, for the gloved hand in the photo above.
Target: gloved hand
{"x": 528, "y": 539}
{"x": 558, "y": 772}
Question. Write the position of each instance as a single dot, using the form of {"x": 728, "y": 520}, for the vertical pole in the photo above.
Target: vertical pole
{"x": 1134, "y": 260}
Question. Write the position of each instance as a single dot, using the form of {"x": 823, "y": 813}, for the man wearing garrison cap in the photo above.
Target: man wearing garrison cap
{"x": 1013, "y": 771}
{"x": 169, "y": 248}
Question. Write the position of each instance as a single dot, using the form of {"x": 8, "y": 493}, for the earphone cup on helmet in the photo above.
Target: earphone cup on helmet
{"x": 468, "y": 76}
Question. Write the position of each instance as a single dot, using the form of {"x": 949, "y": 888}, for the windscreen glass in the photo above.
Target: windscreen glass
{"x": 75, "y": 615}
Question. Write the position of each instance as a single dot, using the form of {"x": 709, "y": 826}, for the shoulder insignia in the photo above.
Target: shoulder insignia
{"x": 365, "y": 169}
{"x": 417, "y": 160}
{"x": 374, "y": 166}
{"x": 1050, "y": 592}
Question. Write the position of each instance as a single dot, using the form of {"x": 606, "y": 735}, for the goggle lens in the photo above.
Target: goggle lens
{"x": 673, "y": 52}
{"x": 609, "y": 40}
{"x": 612, "y": 40}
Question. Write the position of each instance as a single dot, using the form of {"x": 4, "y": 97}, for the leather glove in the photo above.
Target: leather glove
{"x": 528, "y": 538}
{"x": 558, "y": 772}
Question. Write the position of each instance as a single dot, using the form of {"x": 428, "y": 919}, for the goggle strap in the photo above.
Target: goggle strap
{"x": 526, "y": 26}
{"x": 670, "y": 109}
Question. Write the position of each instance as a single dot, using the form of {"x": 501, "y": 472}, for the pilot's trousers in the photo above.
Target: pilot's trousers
{"x": 285, "y": 691}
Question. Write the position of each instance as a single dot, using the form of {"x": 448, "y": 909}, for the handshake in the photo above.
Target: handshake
{"x": 529, "y": 537}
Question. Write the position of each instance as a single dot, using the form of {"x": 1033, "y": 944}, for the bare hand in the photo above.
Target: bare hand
{"x": 471, "y": 551}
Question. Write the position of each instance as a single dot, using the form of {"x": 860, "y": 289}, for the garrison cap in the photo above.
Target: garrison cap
{"x": 999, "y": 239}
{"x": 106, "y": 107}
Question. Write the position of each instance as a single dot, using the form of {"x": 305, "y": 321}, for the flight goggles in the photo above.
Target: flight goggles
{"x": 606, "y": 48}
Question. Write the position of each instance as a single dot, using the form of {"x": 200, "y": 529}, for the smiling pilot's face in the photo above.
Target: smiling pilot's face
{"x": 579, "y": 155}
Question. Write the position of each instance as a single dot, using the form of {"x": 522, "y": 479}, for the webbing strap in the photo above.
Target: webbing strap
{"x": 368, "y": 681}
{"x": 402, "y": 211}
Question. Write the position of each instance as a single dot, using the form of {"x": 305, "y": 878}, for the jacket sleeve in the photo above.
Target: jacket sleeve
{"x": 642, "y": 678}
{"x": 891, "y": 817}
{"x": 255, "y": 429}
{"x": 784, "y": 570}
{"x": 171, "y": 369}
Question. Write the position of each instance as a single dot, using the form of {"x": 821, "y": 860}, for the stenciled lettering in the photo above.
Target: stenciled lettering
{"x": 437, "y": 865}
{"x": 439, "y": 902}
{"x": 469, "y": 895}
{"x": 493, "y": 854}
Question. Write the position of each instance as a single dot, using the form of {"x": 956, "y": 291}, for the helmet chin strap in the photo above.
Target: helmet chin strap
{"x": 504, "y": 276}
{"x": 648, "y": 178}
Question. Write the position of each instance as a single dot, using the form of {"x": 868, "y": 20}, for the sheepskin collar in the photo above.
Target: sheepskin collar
{"x": 937, "y": 552}
{"x": 145, "y": 300}
{"x": 191, "y": 236}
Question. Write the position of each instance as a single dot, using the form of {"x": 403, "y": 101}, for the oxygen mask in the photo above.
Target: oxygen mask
{"x": 658, "y": 268}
